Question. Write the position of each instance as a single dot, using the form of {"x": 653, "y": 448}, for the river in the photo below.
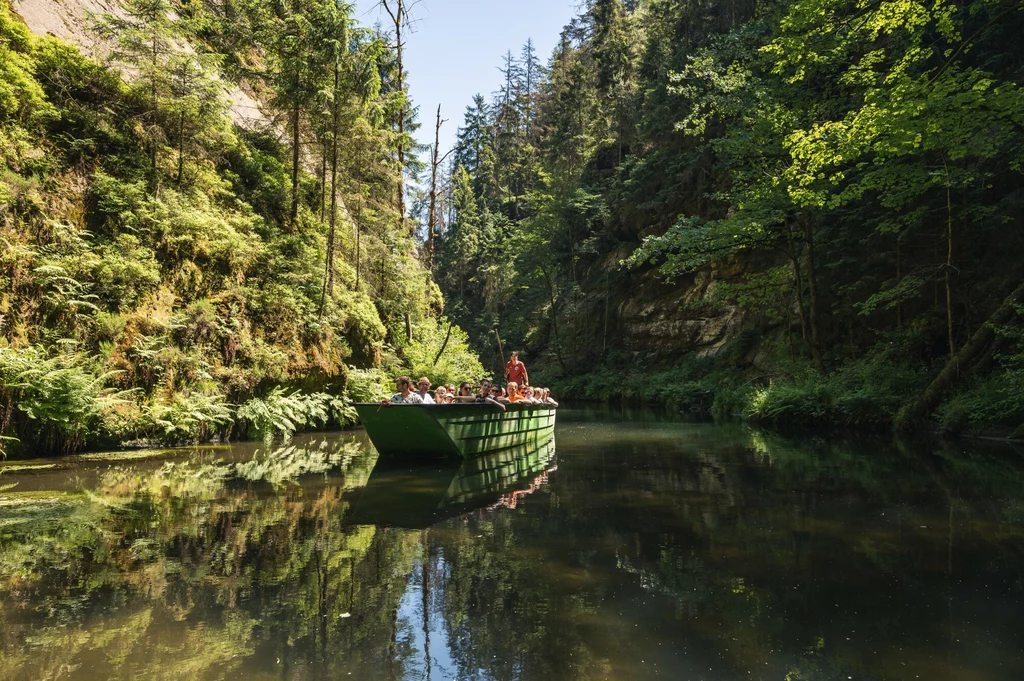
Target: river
{"x": 643, "y": 547}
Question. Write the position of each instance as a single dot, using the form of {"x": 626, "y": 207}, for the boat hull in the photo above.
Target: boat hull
{"x": 454, "y": 430}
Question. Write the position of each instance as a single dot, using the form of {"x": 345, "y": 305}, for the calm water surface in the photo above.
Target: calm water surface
{"x": 643, "y": 548}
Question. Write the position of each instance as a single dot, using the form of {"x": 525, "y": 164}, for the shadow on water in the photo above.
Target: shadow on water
{"x": 658, "y": 547}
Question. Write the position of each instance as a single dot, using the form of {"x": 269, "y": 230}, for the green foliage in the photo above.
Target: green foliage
{"x": 367, "y": 385}
{"x": 991, "y": 404}
{"x": 200, "y": 258}
{"x": 186, "y": 419}
{"x": 785, "y": 405}
{"x": 282, "y": 413}
{"x": 126, "y": 272}
{"x": 692, "y": 385}
{"x": 58, "y": 402}
{"x": 450, "y": 346}
{"x": 22, "y": 99}
{"x": 829, "y": 178}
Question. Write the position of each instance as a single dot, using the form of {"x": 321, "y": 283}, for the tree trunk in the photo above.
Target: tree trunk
{"x": 949, "y": 266}
{"x": 798, "y": 284}
{"x": 399, "y": 17}
{"x": 963, "y": 360}
{"x": 433, "y": 194}
{"x": 554, "y": 319}
{"x": 812, "y": 290}
{"x": 849, "y": 331}
{"x": 156, "y": 118}
{"x": 323, "y": 180}
{"x": 789, "y": 328}
{"x": 359, "y": 258}
{"x": 899, "y": 278}
{"x": 501, "y": 348}
{"x": 444, "y": 345}
{"x": 181, "y": 148}
{"x": 294, "y": 214}
{"x": 607, "y": 306}
{"x": 332, "y": 232}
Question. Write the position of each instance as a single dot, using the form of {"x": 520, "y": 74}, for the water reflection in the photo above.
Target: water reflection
{"x": 656, "y": 549}
{"x": 417, "y": 495}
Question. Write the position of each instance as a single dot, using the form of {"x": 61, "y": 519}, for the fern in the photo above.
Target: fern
{"x": 195, "y": 418}
{"x": 61, "y": 397}
{"x": 281, "y": 413}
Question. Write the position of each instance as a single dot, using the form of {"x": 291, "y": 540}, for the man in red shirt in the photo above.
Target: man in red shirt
{"x": 515, "y": 371}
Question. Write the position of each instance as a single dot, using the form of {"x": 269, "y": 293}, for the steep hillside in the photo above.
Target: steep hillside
{"x": 171, "y": 272}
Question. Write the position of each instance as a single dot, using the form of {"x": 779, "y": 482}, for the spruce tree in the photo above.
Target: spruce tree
{"x": 144, "y": 40}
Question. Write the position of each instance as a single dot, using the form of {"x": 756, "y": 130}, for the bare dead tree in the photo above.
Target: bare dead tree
{"x": 432, "y": 215}
{"x": 398, "y": 11}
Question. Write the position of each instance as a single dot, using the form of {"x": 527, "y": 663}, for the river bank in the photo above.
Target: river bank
{"x": 872, "y": 393}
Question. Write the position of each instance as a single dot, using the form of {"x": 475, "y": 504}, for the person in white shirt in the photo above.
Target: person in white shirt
{"x": 405, "y": 395}
{"x": 424, "y": 390}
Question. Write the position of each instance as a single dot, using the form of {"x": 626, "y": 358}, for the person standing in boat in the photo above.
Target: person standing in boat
{"x": 405, "y": 394}
{"x": 424, "y": 390}
{"x": 515, "y": 371}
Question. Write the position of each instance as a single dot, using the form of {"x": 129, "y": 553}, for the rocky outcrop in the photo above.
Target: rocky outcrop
{"x": 664, "y": 321}
{"x": 69, "y": 21}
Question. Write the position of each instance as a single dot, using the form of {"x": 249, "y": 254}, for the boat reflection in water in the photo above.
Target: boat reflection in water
{"x": 404, "y": 492}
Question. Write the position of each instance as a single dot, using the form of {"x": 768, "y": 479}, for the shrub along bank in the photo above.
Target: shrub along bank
{"x": 873, "y": 391}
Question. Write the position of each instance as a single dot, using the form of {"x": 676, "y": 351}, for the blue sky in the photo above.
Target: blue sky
{"x": 458, "y": 45}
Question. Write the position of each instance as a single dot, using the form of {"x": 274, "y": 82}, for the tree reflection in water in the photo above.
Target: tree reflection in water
{"x": 657, "y": 549}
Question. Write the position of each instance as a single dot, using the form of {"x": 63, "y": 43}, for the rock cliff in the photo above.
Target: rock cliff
{"x": 69, "y": 20}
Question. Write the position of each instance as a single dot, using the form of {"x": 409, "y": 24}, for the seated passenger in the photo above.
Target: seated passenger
{"x": 405, "y": 395}
{"x": 424, "y": 390}
{"x": 513, "y": 393}
{"x": 486, "y": 394}
{"x": 547, "y": 399}
{"x": 530, "y": 395}
{"x": 440, "y": 395}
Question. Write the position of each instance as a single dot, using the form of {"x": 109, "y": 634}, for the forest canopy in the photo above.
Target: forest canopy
{"x": 803, "y": 211}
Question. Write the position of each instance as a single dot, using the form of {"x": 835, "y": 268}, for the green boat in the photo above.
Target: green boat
{"x": 454, "y": 430}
